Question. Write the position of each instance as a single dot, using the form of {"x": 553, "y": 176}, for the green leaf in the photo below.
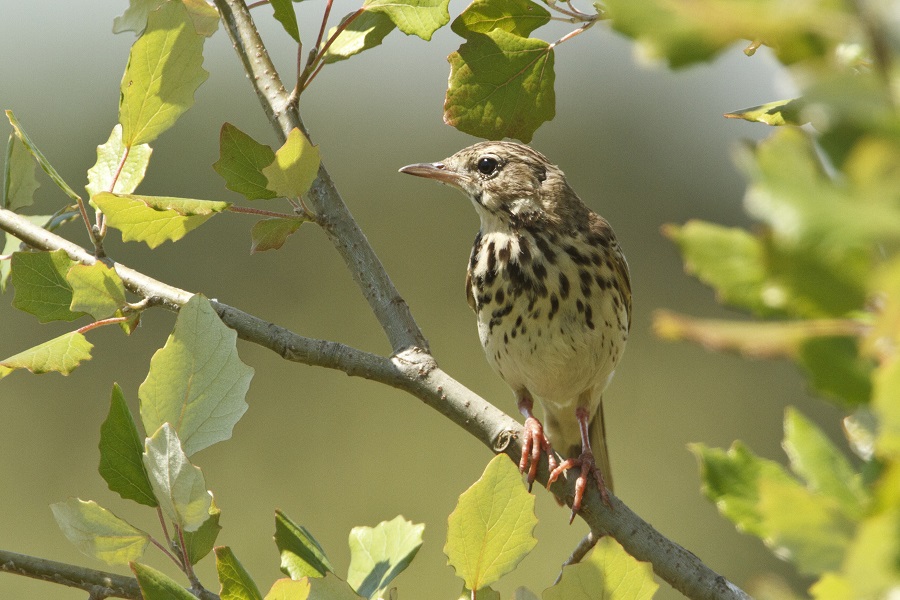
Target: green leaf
{"x": 39, "y": 156}
{"x": 118, "y": 163}
{"x": 236, "y": 582}
{"x": 484, "y": 593}
{"x": 518, "y": 17}
{"x": 204, "y": 16}
{"x": 295, "y": 166}
{"x": 158, "y": 586}
{"x": 96, "y": 289}
{"x": 886, "y": 409}
{"x": 271, "y": 234}
{"x": 196, "y": 381}
{"x": 837, "y": 370}
{"x": 826, "y": 470}
{"x": 331, "y": 587}
{"x": 99, "y": 533}
{"x": 199, "y": 543}
{"x": 301, "y": 554}
{"x": 490, "y": 530}
{"x": 121, "y": 462}
{"x": 61, "y": 354}
{"x": 379, "y": 554}
{"x": 13, "y": 244}
{"x": 609, "y": 573}
{"x": 155, "y": 219}
{"x": 501, "y": 85}
{"x": 284, "y": 14}
{"x": 366, "y": 31}
{"x": 289, "y": 589}
{"x": 164, "y": 70}
{"x": 413, "y": 17}
{"x": 177, "y": 484}
{"x": 41, "y": 286}
{"x": 241, "y": 160}
{"x": 19, "y": 182}
{"x": 782, "y": 112}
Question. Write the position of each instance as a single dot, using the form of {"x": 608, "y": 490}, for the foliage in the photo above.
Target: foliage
{"x": 821, "y": 267}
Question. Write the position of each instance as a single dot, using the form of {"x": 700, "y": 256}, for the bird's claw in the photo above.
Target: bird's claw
{"x": 588, "y": 468}
{"x": 533, "y": 442}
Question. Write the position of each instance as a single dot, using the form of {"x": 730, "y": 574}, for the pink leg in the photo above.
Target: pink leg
{"x": 534, "y": 440}
{"x": 587, "y": 464}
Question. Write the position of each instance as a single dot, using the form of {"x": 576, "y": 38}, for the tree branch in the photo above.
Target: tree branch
{"x": 100, "y": 584}
{"x": 415, "y": 371}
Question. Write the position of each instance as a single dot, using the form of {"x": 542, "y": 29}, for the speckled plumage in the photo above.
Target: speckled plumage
{"x": 550, "y": 287}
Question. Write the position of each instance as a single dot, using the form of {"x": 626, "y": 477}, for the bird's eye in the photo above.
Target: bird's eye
{"x": 487, "y": 165}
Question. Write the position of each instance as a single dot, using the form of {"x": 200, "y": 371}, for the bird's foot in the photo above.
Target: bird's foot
{"x": 533, "y": 443}
{"x": 588, "y": 469}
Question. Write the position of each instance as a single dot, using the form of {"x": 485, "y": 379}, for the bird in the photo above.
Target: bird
{"x": 551, "y": 291}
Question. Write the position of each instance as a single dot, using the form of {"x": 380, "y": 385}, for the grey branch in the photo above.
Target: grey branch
{"x": 410, "y": 366}
{"x": 98, "y": 583}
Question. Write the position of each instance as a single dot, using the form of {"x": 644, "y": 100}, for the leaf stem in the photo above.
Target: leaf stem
{"x": 260, "y": 212}
{"x": 259, "y": 3}
{"x": 165, "y": 551}
{"x": 101, "y": 323}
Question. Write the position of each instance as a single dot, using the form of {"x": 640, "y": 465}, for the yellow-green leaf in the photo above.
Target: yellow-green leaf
{"x": 96, "y": 289}
{"x": 366, "y": 31}
{"x": 99, "y": 533}
{"x": 271, "y": 234}
{"x": 301, "y": 554}
{"x": 61, "y": 354}
{"x": 295, "y": 166}
{"x": 490, "y": 530}
{"x": 886, "y": 407}
{"x": 118, "y": 163}
{"x": 203, "y": 14}
{"x": 41, "y": 286}
{"x": 608, "y": 573}
{"x": 155, "y": 219}
{"x": 236, "y": 581}
{"x": 39, "y": 156}
{"x": 19, "y": 182}
{"x": 413, "y": 17}
{"x": 379, "y": 554}
{"x": 782, "y": 112}
{"x": 200, "y": 543}
{"x": 289, "y": 589}
{"x": 196, "y": 382}
{"x": 164, "y": 70}
{"x": 519, "y": 17}
{"x": 156, "y": 585}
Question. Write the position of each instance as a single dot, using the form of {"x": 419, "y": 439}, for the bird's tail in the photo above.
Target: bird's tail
{"x": 597, "y": 437}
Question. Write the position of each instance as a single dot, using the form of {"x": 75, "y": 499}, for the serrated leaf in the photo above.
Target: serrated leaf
{"x": 155, "y": 219}
{"x": 824, "y": 468}
{"x": 284, "y": 14}
{"x": 330, "y": 587}
{"x": 196, "y": 382}
{"x": 164, "y": 70}
{"x": 782, "y": 112}
{"x": 41, "y": 286}
{"x": 200, "y": 543}
{"x": 204, "y": 16}
{"x": 96, "y": 289}
{"x": 39, "y": 157}
{"x": 97, "y": 532}
{"x": 177, "y": 484}
{"x": 61, "y": 354}
{"x": 367, "y": 30}
{"x": 236, "y": 582}
{"x": 121, "y": 453}
{"x": 241, "y": 160}
{"x": 490, "y": 530}
{"x": 413, "y": 17}
{"x": 271, "y": 234}
{"x": 501, "y": 85}
{"x": 301, "y": 554}
{"x": 379, "y": 554}
{"x": 609, "y": 573}
{"x": 19, "y": 182}
{"x": 295, "y": 166}
{"x": 289, "y": 589}
{"x": 118, "y": 163}
{"x": 519, "y": 17}
{"x": 156, "y": 585}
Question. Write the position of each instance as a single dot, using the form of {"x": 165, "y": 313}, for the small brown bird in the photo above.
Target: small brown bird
{"x": 550, "y": 288}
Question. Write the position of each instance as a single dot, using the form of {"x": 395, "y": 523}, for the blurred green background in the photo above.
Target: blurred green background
{"x": 641, "y": 145}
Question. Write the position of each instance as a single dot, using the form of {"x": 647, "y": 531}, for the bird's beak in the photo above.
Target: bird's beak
{"x": 437, "y": 171}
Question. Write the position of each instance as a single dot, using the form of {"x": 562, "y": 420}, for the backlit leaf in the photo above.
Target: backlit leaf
{"x": 196, "y": 382}
{"x": 379, "y": 554}
{"x": 289, "y": 589}
{"x": 271, "y": 234}
{"x": 203, "y": 14}
{"x": 61, "y": 354}
{"x": 39, "y": 156}
{"x": 41, "y": 286}
{"x": 117, "y": 162}
{"x": 501, "y": 85}
{"x": 19, "y": 182}
{"x": 608, "y": 573}
{"x": 241, "y": 161}
{"x": 519, "y": 17}
{"x": 121, "y": 453}
{"x": 782, "y": 112}
{"x": 413, "y": 17}
{"x": 164, "y": 70}
{"x": 887, "y": 409}
{"x": 155, "y": 219}
{"x": 236, "y": 581}
{"x": 200, "y": 543}
{"x": 156, "y": 585}
{"x": 331, "y": 587}
{"x": 301, "y": 554}
{"x": 177, "y": 484}
{"x": 366, "y": 31}
{"x": 295, "y": 166}
{"x": 490, "y": 530}
{"x": 96, "y": 289}
{"x": 99, "y": 533}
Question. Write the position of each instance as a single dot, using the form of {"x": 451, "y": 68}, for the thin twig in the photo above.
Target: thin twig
{"x": 260, "y": 212}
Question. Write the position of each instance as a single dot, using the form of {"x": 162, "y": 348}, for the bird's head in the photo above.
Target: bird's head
{"x": 510, "y": 184}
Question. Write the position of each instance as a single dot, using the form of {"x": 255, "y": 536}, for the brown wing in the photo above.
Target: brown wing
{"x": 602, "y": 236}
